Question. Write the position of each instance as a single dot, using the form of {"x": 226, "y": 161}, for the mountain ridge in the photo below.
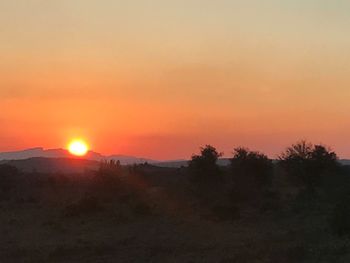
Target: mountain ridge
{"x": 63, "y": 153}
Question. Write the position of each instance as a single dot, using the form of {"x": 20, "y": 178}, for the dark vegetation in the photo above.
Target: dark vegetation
{"x": 294, "y": 209}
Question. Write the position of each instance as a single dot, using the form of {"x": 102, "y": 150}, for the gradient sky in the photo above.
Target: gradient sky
{"x": 161, "y": 78}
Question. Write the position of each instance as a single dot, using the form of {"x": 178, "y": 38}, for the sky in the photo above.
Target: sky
{"x": 161, "y": 78}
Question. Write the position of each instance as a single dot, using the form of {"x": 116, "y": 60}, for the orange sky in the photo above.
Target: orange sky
{"x": 161, "y": 79}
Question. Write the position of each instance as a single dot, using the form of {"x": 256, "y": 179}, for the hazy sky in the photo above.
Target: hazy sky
{"x": 161, "y": 78}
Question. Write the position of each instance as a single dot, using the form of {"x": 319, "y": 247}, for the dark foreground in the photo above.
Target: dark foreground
{"x": 153, "y": 215}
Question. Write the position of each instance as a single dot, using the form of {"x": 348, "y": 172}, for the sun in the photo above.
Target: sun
{"x": 78, "y": 147}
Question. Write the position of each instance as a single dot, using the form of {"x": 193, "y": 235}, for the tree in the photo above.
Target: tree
{"x": 204, "y": 167}
{"x": 307, "y": 164}
{"x": 252, "y": 173}
{"x": 323, "y": 158}
{"x": 298, "y": 151}
{"x": 252, "y": 165}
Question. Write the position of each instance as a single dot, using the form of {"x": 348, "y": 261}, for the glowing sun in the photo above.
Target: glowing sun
{"x": 78, "y": 147}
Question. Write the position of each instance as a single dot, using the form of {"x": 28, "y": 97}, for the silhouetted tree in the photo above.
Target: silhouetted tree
{"x": 252, "y": 172}
{"x": 207, "y": 178}
{"x": 251, "y": 165}
{"x": 306, "y": 163}
{"x": 323, "y": 158}
{"x": 204, "y": 167}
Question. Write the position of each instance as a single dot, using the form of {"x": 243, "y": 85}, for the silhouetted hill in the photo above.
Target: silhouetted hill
{"x": 62, "y": 153}
{"x": 41, "y": 152}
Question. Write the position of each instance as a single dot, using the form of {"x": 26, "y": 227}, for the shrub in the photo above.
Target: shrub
{"x": 204, "y": 167}
{"x": 252, "y": 166}
{"x": 307, "y": 164}
{"x": 206, "y": 176}
{"x": 252, "y": 173}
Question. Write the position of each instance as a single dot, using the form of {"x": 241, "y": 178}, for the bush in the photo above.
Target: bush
{"x": 307, "y": 164}
{"x": 203, "y": 167}
{"x": 251, "y": 166}
{"x": 251, "y": 174}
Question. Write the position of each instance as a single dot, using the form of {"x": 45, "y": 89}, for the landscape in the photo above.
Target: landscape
{"x": 190, "y": 131}
{"x": 248, "y": 209}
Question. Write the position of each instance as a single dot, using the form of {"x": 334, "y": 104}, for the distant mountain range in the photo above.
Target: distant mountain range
{"x": 62, "y": 153}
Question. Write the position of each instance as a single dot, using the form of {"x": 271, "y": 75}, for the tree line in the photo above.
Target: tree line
{"x": 305, "y": 164}
{"x": 312, "y": 171}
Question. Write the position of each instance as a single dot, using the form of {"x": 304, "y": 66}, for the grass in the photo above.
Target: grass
{"x": 73, "y": 224}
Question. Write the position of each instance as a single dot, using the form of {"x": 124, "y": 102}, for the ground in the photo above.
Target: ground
{"x": 59, "y": 222}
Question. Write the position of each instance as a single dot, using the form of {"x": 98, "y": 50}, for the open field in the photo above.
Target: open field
{"x": 55, "y": 218}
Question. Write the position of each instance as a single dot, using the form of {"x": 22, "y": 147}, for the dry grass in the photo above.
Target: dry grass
{"x": 157, "y": 222}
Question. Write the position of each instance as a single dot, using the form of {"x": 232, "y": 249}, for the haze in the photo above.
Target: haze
{"x": 161, "y": 78}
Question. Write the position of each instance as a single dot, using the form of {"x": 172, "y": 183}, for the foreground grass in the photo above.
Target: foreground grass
{"x": 42, "y": 232}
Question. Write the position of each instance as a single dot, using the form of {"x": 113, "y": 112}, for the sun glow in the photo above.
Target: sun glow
{"x": 78, "y": 147}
